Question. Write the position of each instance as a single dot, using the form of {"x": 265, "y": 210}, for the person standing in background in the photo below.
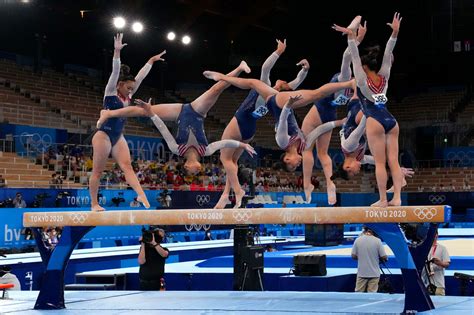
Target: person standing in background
{"x": 368, "y": 251}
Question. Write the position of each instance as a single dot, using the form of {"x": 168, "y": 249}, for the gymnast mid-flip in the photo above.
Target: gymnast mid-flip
{"x": 190, "y": 141}
{"x": 275, "y": 102}
{"x": 243, "y": 125}
{"x": 322, "y": 112}
{"x": 381, "y": 127}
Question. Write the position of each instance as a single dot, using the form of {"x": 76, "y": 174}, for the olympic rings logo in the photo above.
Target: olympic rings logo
{"x": 460, "y": 158}
{"x": 203, "y": 199}
{"x": 425, "y": 213}
{"x": 78, "y": 217}
{"x": 197, "y": 227}
{"x": 242, "y": 215}
{"x": 36, "y": 141}
{"x": 437, "y": 199}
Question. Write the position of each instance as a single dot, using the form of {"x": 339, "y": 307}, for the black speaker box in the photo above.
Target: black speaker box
{"x": 253, "y": 256}
{"x": 248, "y": 261}
{"x": 309, "y": 265}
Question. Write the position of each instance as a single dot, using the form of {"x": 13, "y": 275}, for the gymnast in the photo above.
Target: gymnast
{"x": 109, "y": 139}
{"x": 190, "y": 142}
{"x": 275, "y": 101}
{"x": 243, "y": 125}
{"x": 322, "y": 112}
{"x": 381, "y": 127}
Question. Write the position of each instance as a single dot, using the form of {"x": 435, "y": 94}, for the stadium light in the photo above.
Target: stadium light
{"x": 137, "y": 27}
{"x": 119, "y": 22}
{"x": 186, "y": 39}
{"x": 171, "y": 36}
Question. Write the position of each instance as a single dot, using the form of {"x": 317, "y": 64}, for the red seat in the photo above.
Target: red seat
{"x": 4, "y": 287}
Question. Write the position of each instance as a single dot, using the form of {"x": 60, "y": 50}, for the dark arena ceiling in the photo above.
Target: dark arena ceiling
{"x": 224, "y": 32}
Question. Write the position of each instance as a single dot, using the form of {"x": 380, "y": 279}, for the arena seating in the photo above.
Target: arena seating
{"x": 59, "y": 93}
{"x": 21, "y": 172}
{"x": 72, "y": 101}
{"x": 434, "y": 177}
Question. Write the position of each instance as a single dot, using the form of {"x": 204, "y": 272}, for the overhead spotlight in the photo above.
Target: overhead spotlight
{"x": 171, "y": 36}
{"x": 186, "y": 39}
{"x": 137, "y": 27}
{"x": 119, "y": 22}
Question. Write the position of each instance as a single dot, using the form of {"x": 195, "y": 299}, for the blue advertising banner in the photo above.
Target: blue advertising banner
{"x": 459, "y": 156}
{"x": 455, "y": 199}
{"x": 146, "y": 148}
{"x": 33, "y": 139}
{"x": 12, "y": 231}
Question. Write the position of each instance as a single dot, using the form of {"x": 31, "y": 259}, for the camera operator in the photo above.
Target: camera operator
{"x": 118, "y": 199}
{"x": 164, "y": 198}
{"x": 18, "y": 202}
{"x": 152, "y": 258}
{"x": 433, "y": 273}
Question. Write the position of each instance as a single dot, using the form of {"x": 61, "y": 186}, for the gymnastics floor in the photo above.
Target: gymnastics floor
{"x": 219, "y": 302}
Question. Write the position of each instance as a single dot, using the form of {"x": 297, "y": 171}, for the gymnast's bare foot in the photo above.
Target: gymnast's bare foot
{"x": 223, "y": 201}
{"x": 395, "y": 202}
{"x": 144, "y": 201}
{"x": 382, "y": 204}
{"x": 238, "y": 198}
{"x": 97, "y": 208}
{"x": 213, "y": 75}
{"x": 331, "y": 189}
{"x": 308, "y": 191}
{"x": 355, "y": 24}
{"x": 404, "y": 183}
{"x": 244, "y": 67}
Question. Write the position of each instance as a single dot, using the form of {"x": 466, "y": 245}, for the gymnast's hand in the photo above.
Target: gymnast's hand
{"x": 304, "y": 64}
{"x": 250, "y": 150}
{"x": 407, "y": 172}
{"x": 118, "y": 42}
{"x": 395, "y": 25}
{"x": 292, "y": 101}
{"x": 281, "y": 47}
{"x": 157, "y": 57}
{"x": 146, "y": 106}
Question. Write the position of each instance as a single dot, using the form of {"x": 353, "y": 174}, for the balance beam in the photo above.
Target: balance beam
{"x": 310, "y": 215}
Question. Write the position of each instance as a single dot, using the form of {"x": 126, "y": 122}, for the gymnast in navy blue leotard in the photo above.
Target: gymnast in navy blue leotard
{"x": 291, "y": 158}
{"x": 108, "y": 139}
{"x": 381, "y": 128}
{"x": 190, "y": 140}
{"x": 243, "y": 125}
{"x": 322, "y": 112}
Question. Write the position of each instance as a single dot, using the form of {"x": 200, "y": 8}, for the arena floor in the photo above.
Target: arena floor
{"x": 218, "y": 302}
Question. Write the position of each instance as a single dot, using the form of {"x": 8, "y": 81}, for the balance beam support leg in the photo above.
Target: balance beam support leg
{"x": 417, "y": 298}
{"x": 55, "y": 261}
{"x": 420, "y": 251}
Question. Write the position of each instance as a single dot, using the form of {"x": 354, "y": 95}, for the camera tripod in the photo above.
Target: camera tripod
{"x": 246, "y": 272}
